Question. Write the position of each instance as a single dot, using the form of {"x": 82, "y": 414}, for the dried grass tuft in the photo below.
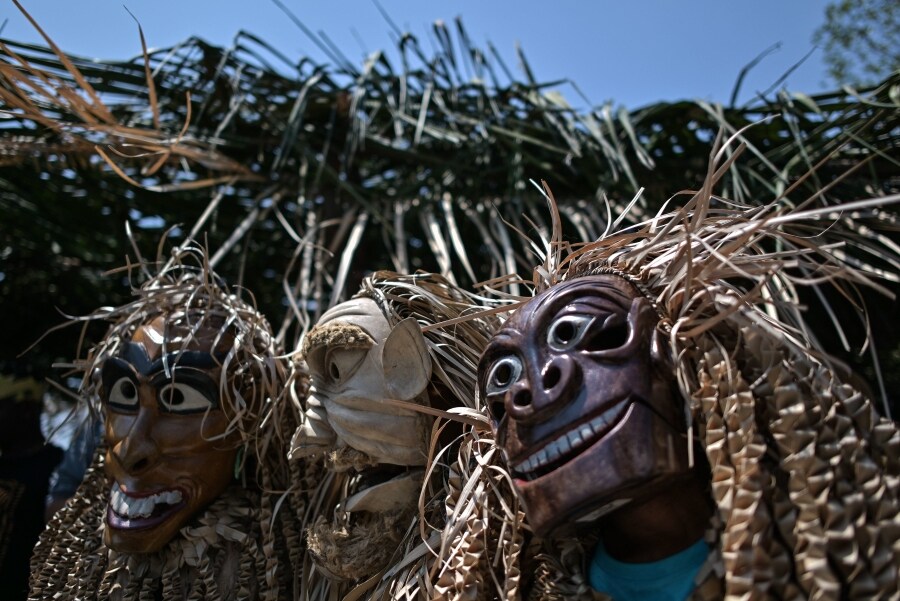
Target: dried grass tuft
{"x": 346, "y": 552}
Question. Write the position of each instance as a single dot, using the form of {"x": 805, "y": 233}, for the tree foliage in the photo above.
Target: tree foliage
{"x": 861, "y": 40}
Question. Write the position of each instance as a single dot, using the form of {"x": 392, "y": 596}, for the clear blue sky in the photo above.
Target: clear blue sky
{"x": 632, "y": 52}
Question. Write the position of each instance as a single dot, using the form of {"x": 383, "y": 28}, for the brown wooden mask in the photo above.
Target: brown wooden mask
{"x": 582, "y": 401}
{"x": 166, "y": 455}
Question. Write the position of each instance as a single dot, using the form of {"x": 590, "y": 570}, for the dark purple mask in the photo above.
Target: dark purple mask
{"x": 581, "y": 396}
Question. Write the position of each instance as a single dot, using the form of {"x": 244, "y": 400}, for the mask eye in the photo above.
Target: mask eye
{"x": 504, "y": 373}
{"x": 177, "y": 397}
{"x": 567, "y": 331}
{"x": 341, "y": 363}
{"x": 123, "y": 394}
{"x": 613, "y": 334}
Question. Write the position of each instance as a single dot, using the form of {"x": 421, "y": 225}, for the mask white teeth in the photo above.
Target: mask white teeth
{"x": 171, "y": 497}
{"x": 587, "y": 432}
{"x": 571, "y": 440}
{"x": 140, "y": 507}
{"x": 575, "y": 439}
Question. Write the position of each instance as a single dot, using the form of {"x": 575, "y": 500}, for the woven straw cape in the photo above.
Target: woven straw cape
{"x": 238, "y": 547}
{"x": 804, "y": 472}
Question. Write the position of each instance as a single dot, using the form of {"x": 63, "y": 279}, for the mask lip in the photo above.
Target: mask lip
{"x": 122, "y": 523}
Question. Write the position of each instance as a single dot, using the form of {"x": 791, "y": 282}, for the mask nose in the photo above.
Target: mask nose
{"x": 315, "y": 433}
{"x": 137, "y": 450}
{"x": 543, "y": 394}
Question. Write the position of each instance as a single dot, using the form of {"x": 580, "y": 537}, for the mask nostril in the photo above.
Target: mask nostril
{"x": 522, "y": 398}
{"x": 551, "y": 377}
{"x": 139, "y": 465}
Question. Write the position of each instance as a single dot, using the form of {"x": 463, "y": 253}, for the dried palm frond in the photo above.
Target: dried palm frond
{"x": 372, "y": 166}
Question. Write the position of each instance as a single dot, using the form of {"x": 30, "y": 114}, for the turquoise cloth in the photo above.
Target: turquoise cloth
{"x": 669, "y": 579}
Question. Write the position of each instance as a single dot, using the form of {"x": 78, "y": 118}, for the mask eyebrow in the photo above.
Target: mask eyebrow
{"x": 599, "y": 303}
{"x": 336, "y": 333}
{"x": 115, "y": 368}
{"x": 198, "y": 359}
{"x": 136, "y": 355}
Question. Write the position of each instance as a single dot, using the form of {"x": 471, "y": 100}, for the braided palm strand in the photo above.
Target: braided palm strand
{"x": 481, "y": 545}
{"x": 461, "y": 576}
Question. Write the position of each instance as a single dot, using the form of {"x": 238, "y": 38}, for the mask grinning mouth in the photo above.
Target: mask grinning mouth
{"x": 127, "y": 511}
{"x": 566, "y": 446}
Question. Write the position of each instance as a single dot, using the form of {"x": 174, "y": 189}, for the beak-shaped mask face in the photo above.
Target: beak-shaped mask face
{"x": 358, "y": 363}
{"x": 164, "y": 429}
{"x": 580, "y": 394}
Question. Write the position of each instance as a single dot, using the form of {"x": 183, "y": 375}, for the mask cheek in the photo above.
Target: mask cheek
{"x": 217, "y": 469}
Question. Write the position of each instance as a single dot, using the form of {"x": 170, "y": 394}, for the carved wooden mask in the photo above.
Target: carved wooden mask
{"x": 580, "y": 393}
{"x": 166, "y": 455}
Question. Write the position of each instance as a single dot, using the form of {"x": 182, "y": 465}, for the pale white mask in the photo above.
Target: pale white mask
{"x": 356, "y": 361}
